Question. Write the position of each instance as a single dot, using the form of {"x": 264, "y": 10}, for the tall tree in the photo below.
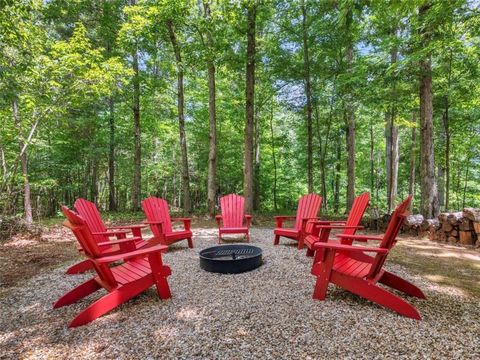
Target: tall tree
{"x": 212, "y": 115}
{"x": 181, "y": 117}
{"x": 428, "y": 184}
{"x": 249, "y": 107}
{"x": 137, "y": 144}
{"x": 308, "y": 93}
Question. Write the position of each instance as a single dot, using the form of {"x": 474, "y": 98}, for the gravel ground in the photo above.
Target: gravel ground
{"x": 263, "y": 314}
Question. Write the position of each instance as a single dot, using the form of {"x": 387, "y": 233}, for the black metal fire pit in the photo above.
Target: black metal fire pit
{"x": 230, "y": 259}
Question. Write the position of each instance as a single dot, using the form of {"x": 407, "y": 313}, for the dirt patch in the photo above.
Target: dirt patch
{"x": 22, "y": 258}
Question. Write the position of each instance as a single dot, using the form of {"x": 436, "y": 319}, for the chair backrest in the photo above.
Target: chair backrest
{"x": 89, "y": 212}
{"x": 308, "y": 207}
{"x": 156, "y": 209}
{"x": 81, "y": 231}
{"x": 359, "y": 206}
{"x": 84, "y": 236}
{"x": 390, "y": 236}
{"x": 232, "y": 206}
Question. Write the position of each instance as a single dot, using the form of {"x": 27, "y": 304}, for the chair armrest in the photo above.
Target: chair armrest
{"x": 248, "y": 218}
{"x": 186, "y": 222}
{"x": 280, "y": 219}
{"x": 132, "y": 254}
{"x": 326, "y": 222}
{"x": 135, "y": 226}
{"x": 350, "y": 248}
{"x": 360, "y": 237}
{"x": 111, "y": 233}
{"x": 218, "y": 219}
{"x": 338, "y": 227}
{"x": 115, "y": 242}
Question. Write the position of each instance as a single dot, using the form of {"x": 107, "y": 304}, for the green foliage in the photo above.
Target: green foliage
{"x": 67, "y": 62}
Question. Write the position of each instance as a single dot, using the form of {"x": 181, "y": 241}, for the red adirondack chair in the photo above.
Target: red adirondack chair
{"x": 88, "y": 211}
{"x": 308, "y": 208}
{"x": 158, "y": 217}
{"x": 351, "y": 268}
{"x": 321, "y": 231}
{"x": 233, "y": 207}
{"x": 140, "y": 270}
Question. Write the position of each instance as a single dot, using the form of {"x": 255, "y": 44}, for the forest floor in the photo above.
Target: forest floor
{"x": 267, "y": 313}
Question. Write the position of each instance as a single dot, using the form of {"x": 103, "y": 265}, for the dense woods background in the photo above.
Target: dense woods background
{"x": 117, "y": 100}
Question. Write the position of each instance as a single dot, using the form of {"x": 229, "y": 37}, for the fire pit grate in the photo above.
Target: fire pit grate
{"x": 230, "y": 259}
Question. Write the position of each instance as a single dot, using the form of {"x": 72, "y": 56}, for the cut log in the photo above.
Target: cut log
{"x": 466, "y": 238}
{"x": 446, "y": 227}
{"x": 414, "y": 220}
{"x": 476, "y": 226}
{"x": 430, "y": 224}
{"x": 452, "y": 239}
{"x": 472, "y": 214}
{"x": 442, "y": 217}
{"x": 465, "y": 224}
{"x": 454, "y": 218}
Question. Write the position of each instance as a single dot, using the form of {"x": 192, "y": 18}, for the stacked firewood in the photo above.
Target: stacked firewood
{"x": 461, "y": 227}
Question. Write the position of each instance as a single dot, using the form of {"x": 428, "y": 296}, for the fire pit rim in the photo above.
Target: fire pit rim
{"x": 230, "y": 265}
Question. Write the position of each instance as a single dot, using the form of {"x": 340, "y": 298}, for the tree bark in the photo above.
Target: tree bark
{"x": 256, "y": 167}
{"x": 112, "y": 206}
{"x": 336, "y": 200}
{"x": 350, "y": 119}
{"x": 429, "y": 195}
{"x": 308, "y": 93}
{"x": 137, "y": 173}
{"x": 274, "y": 160}
{"x": 413, "y": 156}
{"x": 391, "y": 132}
{"x": 27, "y": 202}
{"x": 249, "y": 109}
{"x": 212, "y": 153}
{"x": 181, "y": 119}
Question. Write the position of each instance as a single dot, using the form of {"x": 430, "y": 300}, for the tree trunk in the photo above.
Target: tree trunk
{"x": 413, "y": 156}
{"x": 350, "y": 125}
{"x": 137, "y": 173}
{"x": 256, "y": 168}
{"x": 391, "y": 132}
{"x": 212, "y": 115}
{"x": 181, "y": 119}
{"x": 372, "y": 159}
{"x": 308, "y": 93}
{"x": 428, "y": 184}
{"x": 112, "y": 206}
{"x": 446, "y": 129}
{"x": 274, "y": 160}
{"x": 94, "y": 181}
{"x": 336, "y": 200}
{"x": 27, "y": 203}
{"x": 249, "y": 107}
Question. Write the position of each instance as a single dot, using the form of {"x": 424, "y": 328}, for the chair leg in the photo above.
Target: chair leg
{"x": 374, "y": 293}
{"x": 219, "y": 237}
{"x": 111, "y": 301}
{"x": 77, "y": 293}
{"x": 276, "y": 239}
{"x": 190, "y": 243}
{"x": 80, "y": 267}
{"x": 300, "y": 243}
{"x": 323, "y": 272}
{"x": 402, "y": 285}
{"x": 248, "y": 237}
{"x": 310, "y": 252}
